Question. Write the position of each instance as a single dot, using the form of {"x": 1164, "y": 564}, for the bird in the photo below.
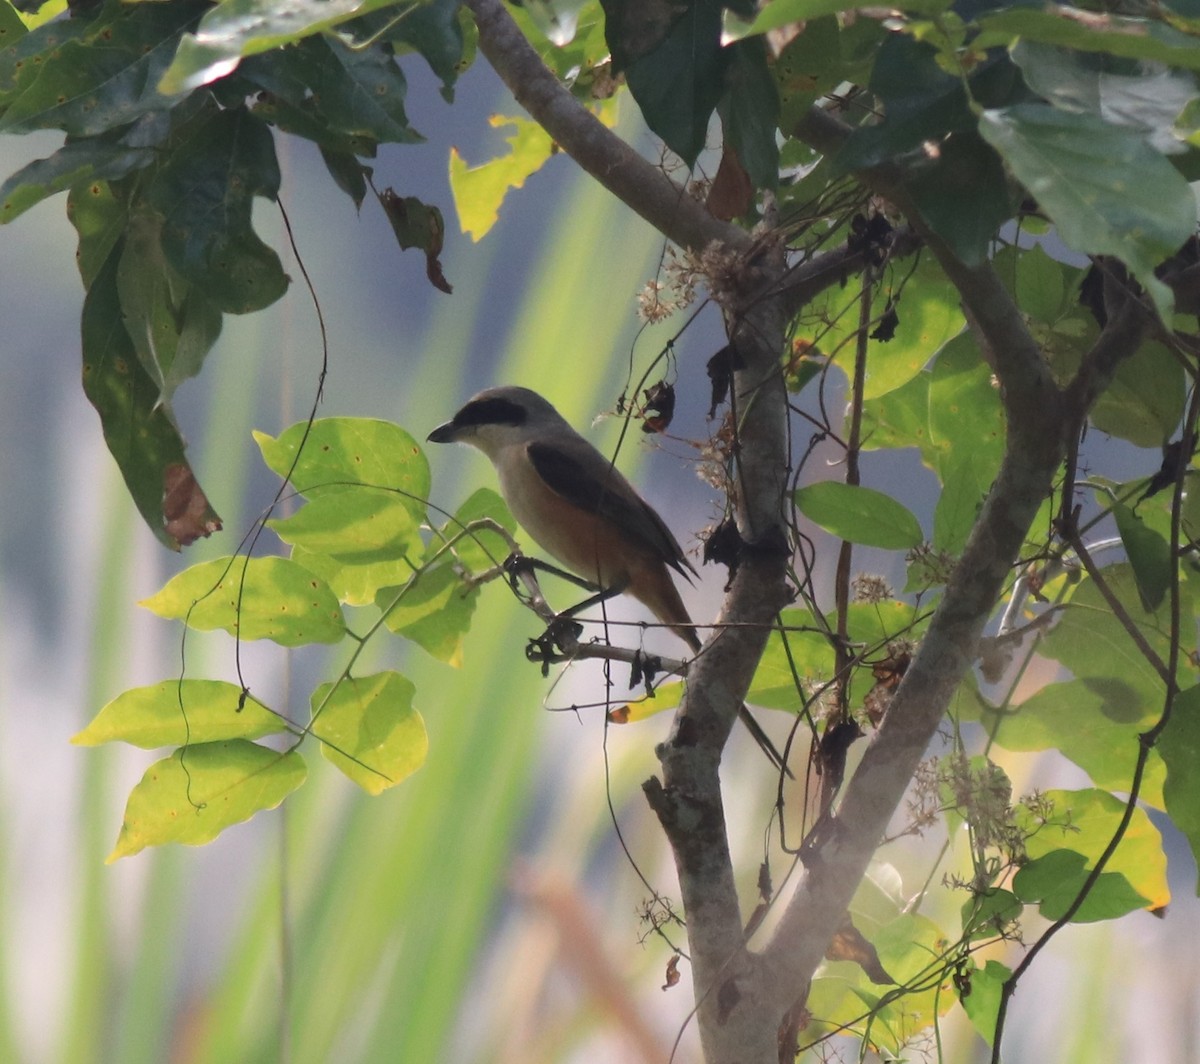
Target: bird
{"x": 579, "y": 508}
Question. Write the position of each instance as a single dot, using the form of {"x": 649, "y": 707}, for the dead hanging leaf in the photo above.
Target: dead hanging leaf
{"x": 732, "y": 192}
{"x": 659, "y": 408}
{"x": 721, "y": 368}
{"x": 620, "y": 715}
{"x": 886, "y": 329}
{"x": 418, "y": 225}
{"x": 888, "y": 673}
{"x": 830, "y": 759}
{"x": 672, "y": 972}
{"x": 795, "y": 1020}
{"x": 186, "y": 512}
{"x": 849, "y": 945}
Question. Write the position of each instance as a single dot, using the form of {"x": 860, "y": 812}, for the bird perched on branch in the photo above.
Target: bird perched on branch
{"x": 579, "y": 508}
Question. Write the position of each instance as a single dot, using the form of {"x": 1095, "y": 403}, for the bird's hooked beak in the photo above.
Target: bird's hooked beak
{"x": 444, "y": 433}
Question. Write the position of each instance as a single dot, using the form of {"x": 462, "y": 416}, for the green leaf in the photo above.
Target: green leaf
{"x": 859, "y": 515}
{"x": 353, "y": 582}
{"x": 1179, "y": 746}
{"x": 1091, "y": 642}
{"x": 1106, "y": 190}
{"x": 339, "y": 452}
{"x": 1061, "y": 25}
{"x": 102, "y": 77}
{"x": 1041, "y": 284}
{"x": 964, "y": 484}
{"x": 76, "y": 163}
{"x": 1054, "y": 881}
{"x": 253, "y": 598}
{"x": 138, "y": 427}
{"x": 900, "y": 419}
{"x": 922, "y": 103}
{"x": 791, "y": 658}
{"x": 205, "y": 191}
{"x": 1095, "y": 722}
{"x": 483, "y": 548}
{"x": 750, "y": 112}
{"x": 369, "y": 729}
{"x": 199, "y": 791}
{"x": 434, "y": 31}
{"x": 239, "y": 28}
{"x": 963, "y": 194}
{"x": 172, "y": 324}
{"x": 1082, "y": 825}
{"x": 676, "y": 79}
{"x": 666, "y": 696}
{"x": 778, "y": 13}
{"x": 1149, "y": 554}
{"x": 982, "y": 1003}
{"x": 1148, "y": 102}
{"x": 479, "y": 191}
{"x": 1145, "y": 400}
{"x": 355, "y": 524}
{"x": 99, "y": 219}
{"x": 434, "y": 610}
{"x": 178, "y": 712}
{"x": 343, "y": 94}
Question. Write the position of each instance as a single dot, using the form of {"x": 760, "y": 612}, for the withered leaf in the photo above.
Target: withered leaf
{"x": 732, "y": 192}
{"x": 849, "y": 945}
{"x": 187, "y": 514}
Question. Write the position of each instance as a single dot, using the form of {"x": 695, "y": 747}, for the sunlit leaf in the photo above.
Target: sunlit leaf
{"x": 1083, "y": 824}
{"x": 1094, "y": 721}
{"x": 434, "y": 611}
{"x": 666, "y": 696}
{"x": 483, "y": 548}
{"x": 255, "y": 598}
{"x": 982, "y": 1000}
{"x": 369, "y": 729}
{"x": 199, "y": 791}
{"x": 356, "y": 524}
{"x": 480, "y": 190}
{"x": 176, "y": 712}
{"x": 342, "y": 451}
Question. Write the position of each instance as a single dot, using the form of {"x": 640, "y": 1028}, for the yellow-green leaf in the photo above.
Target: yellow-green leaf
{"x": 176, "y": 712}
{"x": 262, "y": 598}
{"x": 369, "y": 729}
{"x": 479, "y": 190}
{"x": 666, "y": 696}
{"x": 199, "y": 791}
{"x": 434, "y": 611}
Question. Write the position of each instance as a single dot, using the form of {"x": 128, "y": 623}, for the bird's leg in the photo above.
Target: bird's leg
{"x": 517, "y": 564}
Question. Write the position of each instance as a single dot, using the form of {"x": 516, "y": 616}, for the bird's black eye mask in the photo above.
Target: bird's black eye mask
{"x": 490, "y": 412}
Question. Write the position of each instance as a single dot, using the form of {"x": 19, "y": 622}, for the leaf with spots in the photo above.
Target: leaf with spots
{"x": 369, "y": 729}
{"x": 1106, "y": 189}
{"x": 216, "y": 164}
{"x": 253, "y": 598}
{"x": 199, "y": 791}
{"x": 174, "y": 712}
{"x": 338, "y": 453}
{"x": 138, "y": 427}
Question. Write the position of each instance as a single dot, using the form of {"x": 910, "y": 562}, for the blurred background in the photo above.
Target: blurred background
{"x": 483, "y": 911}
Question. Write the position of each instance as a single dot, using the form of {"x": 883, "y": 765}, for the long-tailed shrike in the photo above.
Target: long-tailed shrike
{"x": 579, "y": 508}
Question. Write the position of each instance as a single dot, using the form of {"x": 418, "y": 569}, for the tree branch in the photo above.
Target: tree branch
{"x": 637, "y": 183}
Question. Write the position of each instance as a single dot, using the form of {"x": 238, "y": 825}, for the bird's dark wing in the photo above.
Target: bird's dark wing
{"x": 618, "y": 502}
